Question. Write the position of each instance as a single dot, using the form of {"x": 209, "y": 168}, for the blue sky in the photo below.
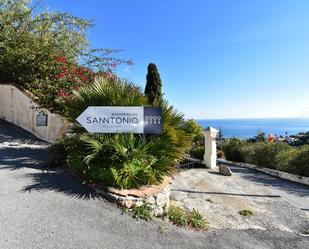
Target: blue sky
{"x": 216, "y": 58}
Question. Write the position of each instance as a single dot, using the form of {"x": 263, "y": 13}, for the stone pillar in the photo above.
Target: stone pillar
{"x": 210, "y": 156}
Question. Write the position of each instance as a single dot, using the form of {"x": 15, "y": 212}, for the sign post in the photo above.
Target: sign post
{"x": 122, "y": 119}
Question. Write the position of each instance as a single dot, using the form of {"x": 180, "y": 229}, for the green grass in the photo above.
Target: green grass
{"x": 196, "y": 220}
{"x": 142, "y": 212}
{"x": 163, "y": 229}
{"x": 178, "y": 216}
{"x": 183, "y": 218}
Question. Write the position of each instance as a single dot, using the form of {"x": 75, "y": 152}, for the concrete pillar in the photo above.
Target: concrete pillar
{"x": 210, "y": 156}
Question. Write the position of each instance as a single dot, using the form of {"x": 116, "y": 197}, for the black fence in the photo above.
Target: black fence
{"x": 193, "y": 159}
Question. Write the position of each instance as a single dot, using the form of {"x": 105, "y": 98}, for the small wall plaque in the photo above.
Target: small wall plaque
{"x": 41, "y": 119}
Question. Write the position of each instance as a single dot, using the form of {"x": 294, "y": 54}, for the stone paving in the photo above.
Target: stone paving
{"x": 219, "y": 198}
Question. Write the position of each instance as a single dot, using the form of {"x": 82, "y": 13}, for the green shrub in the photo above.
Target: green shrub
{"x": 248, "y": 152}
{"x": 181, "y": 217}
{"x": 301, "y": 161}
{"x": 178, "y": 216}
{"x": 265, "y": 153}
{"x": 57, "y": 154}
{"x": 294, "y": 160}
{"x": 105, "y": 91}
{"x": 120, "y": 160}
{"x": 197, "y": 221}
{"x": 124, "y": 160}
{"x": 285, "y": 158}
{"x": 259, "y": 153}
{"x": 280, "y": 156}
{"x": 233, "y": 149}
{"x": 195, "y": 131}
{"x": 197, "y": 152}
{"x": 142, "y": 212}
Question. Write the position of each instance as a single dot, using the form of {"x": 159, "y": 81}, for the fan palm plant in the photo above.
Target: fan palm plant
{"x": 124, "y": 160}
{"x": 105, "y": 91}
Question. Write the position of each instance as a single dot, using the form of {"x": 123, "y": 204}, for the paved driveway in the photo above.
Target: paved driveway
{"x": 277, "y": 204}
{"x": 43, "y": 210}
{"x": 297, "y": 194}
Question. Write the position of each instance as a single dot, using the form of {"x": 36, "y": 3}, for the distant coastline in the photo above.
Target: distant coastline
{"x": 247, "y": 128}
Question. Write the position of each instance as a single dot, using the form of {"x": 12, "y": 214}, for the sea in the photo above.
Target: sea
{"x": 248, "y": 128}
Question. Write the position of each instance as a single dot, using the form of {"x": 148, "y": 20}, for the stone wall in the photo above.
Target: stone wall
{"x": 18, "y": 108}
{"x": 156, "y": 196}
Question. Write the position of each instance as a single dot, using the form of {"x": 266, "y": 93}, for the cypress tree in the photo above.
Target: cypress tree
{"x": 153, "y": 84}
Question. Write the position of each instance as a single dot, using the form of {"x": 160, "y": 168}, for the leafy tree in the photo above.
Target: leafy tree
{"x": 233, "y": 149}
{"x": 195, "y": 131}
{"x": 153, "y": 87}
{"x": 193, "y": 128}
{"x": 45, "y": 52}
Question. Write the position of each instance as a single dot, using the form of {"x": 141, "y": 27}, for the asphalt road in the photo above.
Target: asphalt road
{"x": 42, "y": 209}
{"x": 297, "y": 194}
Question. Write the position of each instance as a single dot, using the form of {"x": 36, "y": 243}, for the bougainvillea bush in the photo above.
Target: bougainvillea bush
{"x": 54, "y": 91}
{"x": 47, "y": 52}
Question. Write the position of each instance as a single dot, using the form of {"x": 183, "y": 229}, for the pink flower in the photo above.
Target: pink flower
{"x": 62, "y": 94}
{"x": 59, "y": 76}
{"x": 61, "y": 59}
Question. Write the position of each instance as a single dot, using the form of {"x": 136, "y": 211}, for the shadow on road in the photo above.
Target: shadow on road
{"x": 17, "y": 157}
{"x": 21, "y": 150}
{"x": 59, "y": 181}
{"x": 10, "y": 132}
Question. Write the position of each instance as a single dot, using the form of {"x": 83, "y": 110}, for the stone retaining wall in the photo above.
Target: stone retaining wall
{"x": 277, "y": 173}
{"x": 156, "y": 196}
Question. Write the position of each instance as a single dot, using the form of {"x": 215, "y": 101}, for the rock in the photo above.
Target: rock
{"x": 150, "y": 200}
{"x": 167, "y": 204}
{"x": 161, "y": 199}
{"x": 225, "y": 170}
{"x": 157, "y": 211}
{"x": 139, "y": 203}
{"x": 127, "y": 204}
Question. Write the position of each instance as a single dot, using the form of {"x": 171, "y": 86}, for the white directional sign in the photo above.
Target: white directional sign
{"x": 122, "y": 119}
{"x": 113, "y": 119}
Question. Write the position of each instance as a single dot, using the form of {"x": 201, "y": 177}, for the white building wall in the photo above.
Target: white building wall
{"x": 16, "y": 107}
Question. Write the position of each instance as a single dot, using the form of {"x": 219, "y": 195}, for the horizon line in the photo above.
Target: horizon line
{"x": 249, "y": 118}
